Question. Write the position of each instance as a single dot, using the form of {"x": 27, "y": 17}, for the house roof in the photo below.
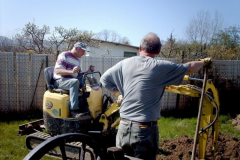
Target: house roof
{"x": 118, "y": 44}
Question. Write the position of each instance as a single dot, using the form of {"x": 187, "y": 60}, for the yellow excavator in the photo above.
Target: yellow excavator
{"x": 209, "y": 114}
{"x": 58, "y": 135}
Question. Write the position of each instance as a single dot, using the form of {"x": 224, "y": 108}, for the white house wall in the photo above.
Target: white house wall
{"x": 111, "y": 49}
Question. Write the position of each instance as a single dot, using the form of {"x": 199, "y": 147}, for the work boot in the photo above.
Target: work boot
{"x": 83, "y": 116}
{"x": 80, "y": 116}
{"x": 74, "y": 113}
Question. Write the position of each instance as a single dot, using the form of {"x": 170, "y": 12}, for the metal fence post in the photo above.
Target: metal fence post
{"x": 46, "y": 67}
{"x": 57, "y": 55}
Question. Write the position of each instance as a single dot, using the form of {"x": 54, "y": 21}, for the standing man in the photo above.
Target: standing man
{"x": 141, "y": 80}
{"x": 66, "y": 75}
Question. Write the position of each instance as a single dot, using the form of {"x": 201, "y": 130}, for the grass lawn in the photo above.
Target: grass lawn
{"x": 12, "y": 147}
{"x": 174, "y": 127}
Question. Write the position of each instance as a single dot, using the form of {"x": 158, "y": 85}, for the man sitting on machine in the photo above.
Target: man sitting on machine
{"x": 67, "y": 76}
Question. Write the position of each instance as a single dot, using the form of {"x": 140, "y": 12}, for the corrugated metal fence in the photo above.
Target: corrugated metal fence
{"x": 22, "y": 83}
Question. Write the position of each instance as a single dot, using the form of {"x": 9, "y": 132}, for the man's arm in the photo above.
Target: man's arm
{"x": 61, "y": 71}
{"x": 116, "y": 92}
{"x": 194, "y": 66}
{"x": 108, "y": 82}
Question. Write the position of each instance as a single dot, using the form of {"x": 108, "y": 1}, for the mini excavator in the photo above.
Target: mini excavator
{"x": 59, "y": 136}
{"x": 209, "y": 112}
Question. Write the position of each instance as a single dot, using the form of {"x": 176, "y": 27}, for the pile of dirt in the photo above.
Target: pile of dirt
{"x": 236, "y": 122}
{"x": 181, "y": 148}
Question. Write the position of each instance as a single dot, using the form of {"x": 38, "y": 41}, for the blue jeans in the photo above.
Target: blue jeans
{"x": 138, "y": 142}
{"x": 73, "y": 85}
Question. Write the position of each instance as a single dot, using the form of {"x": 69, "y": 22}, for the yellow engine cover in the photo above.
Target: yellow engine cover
{"x": 56, "y": 104}
{"x": 95, "y": 100}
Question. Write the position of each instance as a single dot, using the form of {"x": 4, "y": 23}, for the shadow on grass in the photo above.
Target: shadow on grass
{"x": 14, "y": 116}
{"x": 188, "y": 112}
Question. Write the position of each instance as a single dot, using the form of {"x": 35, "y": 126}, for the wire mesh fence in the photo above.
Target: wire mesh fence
{"x": 22, "y": 83}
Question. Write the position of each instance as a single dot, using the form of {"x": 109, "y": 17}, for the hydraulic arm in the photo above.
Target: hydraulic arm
{"x": 209, "y": 114}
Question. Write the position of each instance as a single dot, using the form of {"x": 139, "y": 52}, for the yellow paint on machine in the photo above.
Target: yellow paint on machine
{"x": 94, "y": 102}
{"x": 56, "y": 104}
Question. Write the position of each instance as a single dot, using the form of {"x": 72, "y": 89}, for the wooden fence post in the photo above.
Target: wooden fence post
{"x": 182, "y": 54}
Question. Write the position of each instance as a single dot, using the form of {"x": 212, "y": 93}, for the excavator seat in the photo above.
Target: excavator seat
{"x": 48, "y": 74}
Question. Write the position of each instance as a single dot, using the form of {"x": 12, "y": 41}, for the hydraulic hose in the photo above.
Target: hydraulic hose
{"x": 216, "y": 106}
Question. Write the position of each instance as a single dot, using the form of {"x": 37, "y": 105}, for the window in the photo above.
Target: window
{"x": 130, "y": 54}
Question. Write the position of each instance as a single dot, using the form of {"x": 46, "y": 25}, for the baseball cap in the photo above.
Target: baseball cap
{"x": 81, "y": 45}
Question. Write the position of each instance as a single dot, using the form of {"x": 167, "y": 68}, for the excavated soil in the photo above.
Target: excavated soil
{"x": 181, "y": 148}
{"x": 236, "y": 122}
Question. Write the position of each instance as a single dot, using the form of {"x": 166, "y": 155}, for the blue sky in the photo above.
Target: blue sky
{"x": 130, "y": 18}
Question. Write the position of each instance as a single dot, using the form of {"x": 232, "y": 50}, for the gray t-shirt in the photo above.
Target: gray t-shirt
{"x": 141, "y": 81}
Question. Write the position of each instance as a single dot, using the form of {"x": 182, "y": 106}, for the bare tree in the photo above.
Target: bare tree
{"x": 83, "y": 36}
{"x": 217, "y": 24}
{"x": 202, "y": 28}
{"x": 59, "y": 36}
{"x": 113, "y": 36}
{"x": 63, "y": 39}
{"x": 171, "y": 45}
{"x": 6, "y": 44}
{"x": 104, "y": 35}
{"x": 124, "y": 40}
{"x": 32, "y": 38}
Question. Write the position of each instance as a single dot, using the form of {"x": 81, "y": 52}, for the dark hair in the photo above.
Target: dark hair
{"x": 151, "y": 43}
{"x": 90, "y": 68}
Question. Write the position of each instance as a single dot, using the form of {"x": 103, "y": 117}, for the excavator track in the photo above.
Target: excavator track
{"x": 73, "y": 149}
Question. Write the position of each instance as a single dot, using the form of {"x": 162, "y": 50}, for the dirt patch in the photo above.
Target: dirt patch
{"x": 181, "y": 148}
{"x": 236, "y": 122}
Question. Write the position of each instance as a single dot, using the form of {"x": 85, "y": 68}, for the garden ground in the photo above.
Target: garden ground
{"x": 176, "y": 139}
{"x": 181, "y": 147}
